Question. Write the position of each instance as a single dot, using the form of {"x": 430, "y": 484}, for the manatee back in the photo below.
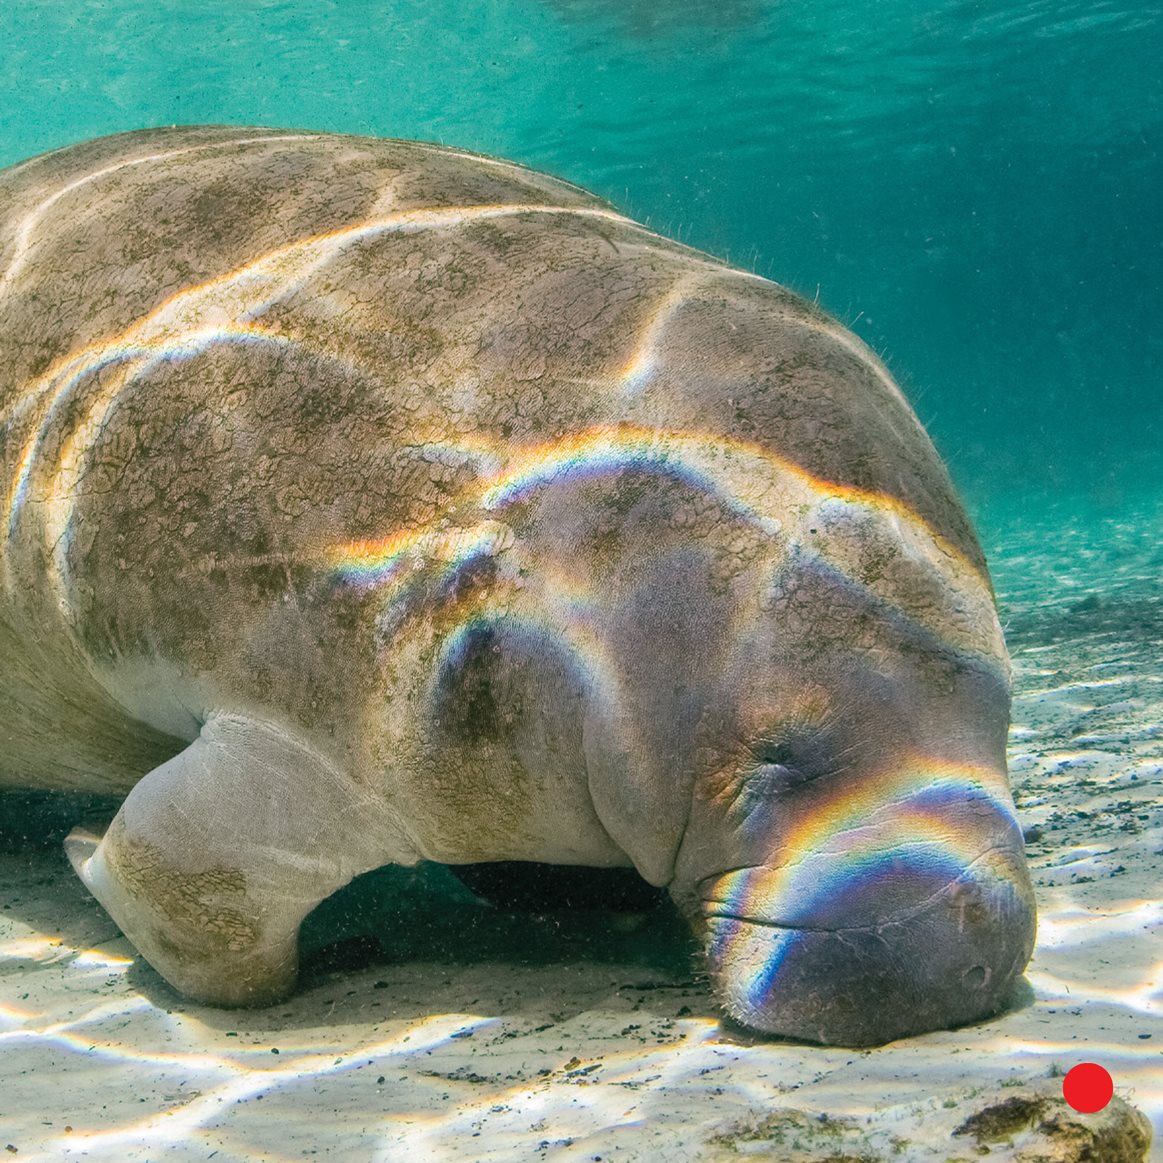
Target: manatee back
{"x": 481, "y": 314}
{"x": 97, "y": 235}
{"x": 233, "y": 359}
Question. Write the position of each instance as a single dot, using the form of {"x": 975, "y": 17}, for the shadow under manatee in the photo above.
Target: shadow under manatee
{"x": 38, "y": 820}
{"x": 530, "y": 938}
{"x": 520, "y": 914}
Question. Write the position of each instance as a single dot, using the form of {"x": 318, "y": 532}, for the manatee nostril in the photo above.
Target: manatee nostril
{"x": 976, "y": 978}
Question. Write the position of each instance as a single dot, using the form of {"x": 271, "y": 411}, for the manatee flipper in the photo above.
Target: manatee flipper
{"x": 216, "y": 856}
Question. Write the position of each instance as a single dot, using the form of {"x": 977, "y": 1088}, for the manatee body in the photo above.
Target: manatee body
{"x": 370, "y": 502}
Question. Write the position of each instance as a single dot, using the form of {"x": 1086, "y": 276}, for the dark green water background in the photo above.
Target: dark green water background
{"x": 975, "y": 188}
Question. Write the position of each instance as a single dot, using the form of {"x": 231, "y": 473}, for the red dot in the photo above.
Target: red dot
{"x": 1087, "y": 1087}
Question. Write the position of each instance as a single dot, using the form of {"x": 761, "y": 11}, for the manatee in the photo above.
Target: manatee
{"x": 370, "y": 502}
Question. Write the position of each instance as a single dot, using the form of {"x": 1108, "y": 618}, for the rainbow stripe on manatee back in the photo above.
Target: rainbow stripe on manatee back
{"x": 753, "y": 483}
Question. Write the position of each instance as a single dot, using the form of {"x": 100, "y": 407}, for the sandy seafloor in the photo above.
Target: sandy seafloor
{"x": 449, "y": 1030}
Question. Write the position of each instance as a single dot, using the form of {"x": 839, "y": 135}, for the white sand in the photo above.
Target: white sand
{"x": 599, "y": 1054}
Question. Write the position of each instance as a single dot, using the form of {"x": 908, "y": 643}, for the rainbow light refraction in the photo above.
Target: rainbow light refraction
{"x": 748, "y": 478}
{"x": 916, "y": 823}
{"x": 759, "y": 487}
{"x": 217, "y": 310}
{"x": 367, "y": 563}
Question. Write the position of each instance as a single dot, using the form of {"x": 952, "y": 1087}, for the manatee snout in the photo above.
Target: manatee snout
{"x": 847, "y": 971}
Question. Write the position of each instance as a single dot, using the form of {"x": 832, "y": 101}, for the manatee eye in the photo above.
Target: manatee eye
{"x": 769, "y": 754}
{"x": 787, "y": 762}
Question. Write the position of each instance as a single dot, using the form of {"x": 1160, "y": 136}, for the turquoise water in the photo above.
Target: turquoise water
{"x": 976, "y": 189}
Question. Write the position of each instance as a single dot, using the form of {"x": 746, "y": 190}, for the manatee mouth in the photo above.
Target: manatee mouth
{"x": 945, "y": 961}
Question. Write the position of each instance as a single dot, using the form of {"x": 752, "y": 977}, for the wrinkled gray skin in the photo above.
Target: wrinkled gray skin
{"x": 370, "y": 502}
